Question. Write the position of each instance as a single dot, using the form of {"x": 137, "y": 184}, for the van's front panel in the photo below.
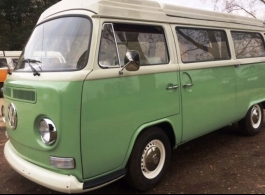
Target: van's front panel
{"x": 43, "y": 103}
{"x": 34, "y": 101}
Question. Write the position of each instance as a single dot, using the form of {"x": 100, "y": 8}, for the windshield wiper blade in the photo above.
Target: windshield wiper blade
{"x": 35, "y": 72}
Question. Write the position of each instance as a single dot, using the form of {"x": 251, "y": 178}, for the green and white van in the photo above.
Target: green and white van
{"x": 105, "y": 89}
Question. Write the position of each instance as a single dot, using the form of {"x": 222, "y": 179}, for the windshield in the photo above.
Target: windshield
{"x": 59, "y": 45}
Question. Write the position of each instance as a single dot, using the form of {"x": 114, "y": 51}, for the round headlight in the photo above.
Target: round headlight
{"x": 48, "y": 131}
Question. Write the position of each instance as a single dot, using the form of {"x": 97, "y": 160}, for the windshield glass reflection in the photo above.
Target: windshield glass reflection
{"x": 60, "y": 45}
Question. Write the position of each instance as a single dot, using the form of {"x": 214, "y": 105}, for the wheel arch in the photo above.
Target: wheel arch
{"x": 254, "y": 102}
{"x": 263, "y": 104}
{"x": 164, "y": 124}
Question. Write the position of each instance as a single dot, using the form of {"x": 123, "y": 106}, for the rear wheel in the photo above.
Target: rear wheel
{"x": 149, "y": 159}
{"x": 253, "y": 121}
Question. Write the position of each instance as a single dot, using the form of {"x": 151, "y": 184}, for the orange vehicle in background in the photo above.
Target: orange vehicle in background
{"x": 7, "y": 59}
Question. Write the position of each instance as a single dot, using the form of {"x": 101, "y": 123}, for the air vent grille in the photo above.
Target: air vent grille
{"x": 25, "y": 95}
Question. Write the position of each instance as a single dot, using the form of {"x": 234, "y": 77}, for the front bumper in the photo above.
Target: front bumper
{"x": 46, "y": 178}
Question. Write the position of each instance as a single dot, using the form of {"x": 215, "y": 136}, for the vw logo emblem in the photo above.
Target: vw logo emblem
{"x": 12, "y": 116}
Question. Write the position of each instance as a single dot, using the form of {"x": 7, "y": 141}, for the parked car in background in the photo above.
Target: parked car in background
{"x": 7, "y": 59}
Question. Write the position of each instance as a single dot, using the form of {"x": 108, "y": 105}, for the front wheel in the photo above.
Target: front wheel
{"x": 253, "y": 121}
{"x": 149, "y": 159}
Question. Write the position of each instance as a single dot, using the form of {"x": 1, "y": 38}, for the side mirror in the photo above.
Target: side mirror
{"x": 132, "y": 61}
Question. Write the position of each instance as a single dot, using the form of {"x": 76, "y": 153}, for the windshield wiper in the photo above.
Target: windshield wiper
{"x": 35, "y": 72}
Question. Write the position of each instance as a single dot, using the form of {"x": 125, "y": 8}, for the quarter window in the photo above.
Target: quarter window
{"x": 248, "y": 45}
{"x": 149, "y": 41}
{"x": 108, "y": 55}
{"x": 198, "y": 45}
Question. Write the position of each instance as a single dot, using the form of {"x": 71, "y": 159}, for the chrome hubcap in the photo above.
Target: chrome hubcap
{"x": 256, "y": 116}
{"x": 153, "y": 159}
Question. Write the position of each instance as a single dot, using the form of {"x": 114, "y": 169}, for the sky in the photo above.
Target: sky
{"x": 191, "y": 3}
{"x": 210, "y": 6}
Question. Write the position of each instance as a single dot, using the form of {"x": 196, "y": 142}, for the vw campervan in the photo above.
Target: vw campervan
{"x": 136, "y": 80}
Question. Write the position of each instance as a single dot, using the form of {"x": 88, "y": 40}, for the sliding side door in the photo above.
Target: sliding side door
{"x": 208, "y": 81}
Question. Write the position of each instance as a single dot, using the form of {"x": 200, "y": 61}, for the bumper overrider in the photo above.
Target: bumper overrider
{"x": 58, "y": 182}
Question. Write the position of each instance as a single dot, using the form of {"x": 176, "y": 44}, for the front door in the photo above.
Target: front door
{"x": 115, "y": 105}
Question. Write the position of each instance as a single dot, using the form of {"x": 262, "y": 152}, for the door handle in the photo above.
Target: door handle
{"x": 172, "y": 87}
{"x": 187, "y": 85}
{"x": 237, "y": 66}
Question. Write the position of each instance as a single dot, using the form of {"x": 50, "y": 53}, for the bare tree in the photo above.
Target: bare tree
{"x": 253, "y": 8}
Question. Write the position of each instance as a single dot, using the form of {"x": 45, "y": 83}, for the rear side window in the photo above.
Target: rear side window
{"x": 248, "y": 45}
{"x": 199, "y": 45}
{"x": 117, "y": 39}
{"x": 3, "y": 62}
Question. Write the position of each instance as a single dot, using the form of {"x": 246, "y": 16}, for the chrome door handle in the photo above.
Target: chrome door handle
{"x": 237, "y": 66}
{"x": 187, "y": 85}
{"x": 172, "y": 87}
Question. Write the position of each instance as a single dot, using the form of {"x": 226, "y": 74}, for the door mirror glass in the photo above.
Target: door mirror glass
{"x": 132, "y": 61}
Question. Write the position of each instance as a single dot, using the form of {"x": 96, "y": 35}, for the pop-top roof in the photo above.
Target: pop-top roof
{"x": 148, "y": 10}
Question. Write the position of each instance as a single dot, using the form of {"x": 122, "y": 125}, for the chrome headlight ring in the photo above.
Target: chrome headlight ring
{"x": 48, "y": 132}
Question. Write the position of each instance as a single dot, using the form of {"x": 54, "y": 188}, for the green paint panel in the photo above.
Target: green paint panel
{"x": 113, "y": 109}
{"x": 250, "y": 86}
{"x": 210, "y": 103}
{"x": 58, "y": 101}
{"x": 7, "y": 91}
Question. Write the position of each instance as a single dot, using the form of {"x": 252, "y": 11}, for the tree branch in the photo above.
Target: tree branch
{"x": 193, "y": 42}
{"x": 241, "y": 8}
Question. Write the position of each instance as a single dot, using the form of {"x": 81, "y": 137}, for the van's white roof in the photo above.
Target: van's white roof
{"x": 148, "y": 10}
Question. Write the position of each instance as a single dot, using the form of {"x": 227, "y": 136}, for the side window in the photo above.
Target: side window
{"x": 149, "y": 41}
{"x": 3, "y": 62}
{"x": 248, "y": 45}
{"x": 199, "y": 45}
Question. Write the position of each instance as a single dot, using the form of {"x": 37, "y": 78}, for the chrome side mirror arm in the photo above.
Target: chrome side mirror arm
{"x": 121, "y": 71}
